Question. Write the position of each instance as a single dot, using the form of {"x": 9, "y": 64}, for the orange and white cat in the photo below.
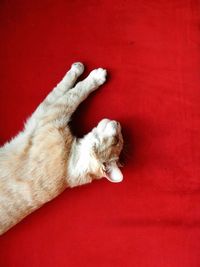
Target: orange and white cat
{"x": 45, "y": 158}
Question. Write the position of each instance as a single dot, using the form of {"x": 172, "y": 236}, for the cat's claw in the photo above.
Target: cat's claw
{"x": 78, "y": 67}
{"x": 99, "y": 75}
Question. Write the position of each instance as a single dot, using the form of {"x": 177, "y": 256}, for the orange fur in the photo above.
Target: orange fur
{"x": 45, "y": 157}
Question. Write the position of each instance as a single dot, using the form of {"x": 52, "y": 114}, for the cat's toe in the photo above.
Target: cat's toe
{"x": 99, "y": 75}
{"x": 78, "y": 67}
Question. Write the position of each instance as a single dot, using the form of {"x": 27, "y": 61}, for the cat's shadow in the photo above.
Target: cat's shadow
{"x": 134, "y": 141}
{"x": 78, "y": 123}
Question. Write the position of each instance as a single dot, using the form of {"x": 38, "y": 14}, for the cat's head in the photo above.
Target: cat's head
{"x": 107, "y": 144}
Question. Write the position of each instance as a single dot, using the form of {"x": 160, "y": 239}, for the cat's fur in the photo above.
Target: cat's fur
{"x": 45, "y": 158}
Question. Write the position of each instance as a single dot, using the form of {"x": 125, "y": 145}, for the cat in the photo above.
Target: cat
{"x": 45, "y": 158}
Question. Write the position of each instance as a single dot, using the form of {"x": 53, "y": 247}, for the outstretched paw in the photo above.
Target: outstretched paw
{"x": 99, "y": 75}
{"x": 78, "y": 68}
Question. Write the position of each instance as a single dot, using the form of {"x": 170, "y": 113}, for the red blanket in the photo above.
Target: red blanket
{"x": 152, "y": 53}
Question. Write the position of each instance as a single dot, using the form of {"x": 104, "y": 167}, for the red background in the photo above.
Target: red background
{"x": 151, "y": 50}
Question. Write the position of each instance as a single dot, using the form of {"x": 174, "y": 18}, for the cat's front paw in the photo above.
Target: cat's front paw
{"x": 78, "y": 68}
{"x": 99, "y": 75}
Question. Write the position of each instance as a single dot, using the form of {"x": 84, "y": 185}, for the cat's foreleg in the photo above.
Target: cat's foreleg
{"x": 66, "y": 84}
{"x": 80, "y": 92}
{"x": 65, "y": 106}
{"x": 69, "y": 79}
{"x": 61, "y": 109}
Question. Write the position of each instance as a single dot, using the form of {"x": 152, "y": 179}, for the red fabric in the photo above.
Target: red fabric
{"x": 151, "y": 50}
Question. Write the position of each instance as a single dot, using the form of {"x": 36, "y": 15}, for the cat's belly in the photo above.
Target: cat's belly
{"x": 15, "y": 203}
{"x": 19, "y": 198}
{"x": 32, "y": 177}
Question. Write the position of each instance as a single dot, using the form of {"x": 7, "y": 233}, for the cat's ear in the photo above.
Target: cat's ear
{"x": 113, "y": 173}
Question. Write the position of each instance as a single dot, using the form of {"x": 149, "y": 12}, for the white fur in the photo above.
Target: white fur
{"x": 45, "y": 158}
{"x": 81, "y": 162}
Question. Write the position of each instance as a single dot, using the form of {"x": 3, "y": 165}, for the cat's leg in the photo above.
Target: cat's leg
{"x": 60, "y": 110}
{"x": 70, "y": 78}
{"x": 66, "y": 84}
{"x": 80, "y": 92}
{"x": 60, "y": 113}
{"x": 63, "y": 86}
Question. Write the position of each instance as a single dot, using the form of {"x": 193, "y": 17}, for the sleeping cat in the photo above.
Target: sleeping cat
{"x": 45, "y": 158}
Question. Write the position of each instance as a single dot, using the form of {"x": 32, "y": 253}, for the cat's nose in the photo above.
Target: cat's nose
{"x": 115, "y": 124}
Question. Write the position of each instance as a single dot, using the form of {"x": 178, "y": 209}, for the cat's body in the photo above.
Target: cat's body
{"x": 45, "y": 157}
